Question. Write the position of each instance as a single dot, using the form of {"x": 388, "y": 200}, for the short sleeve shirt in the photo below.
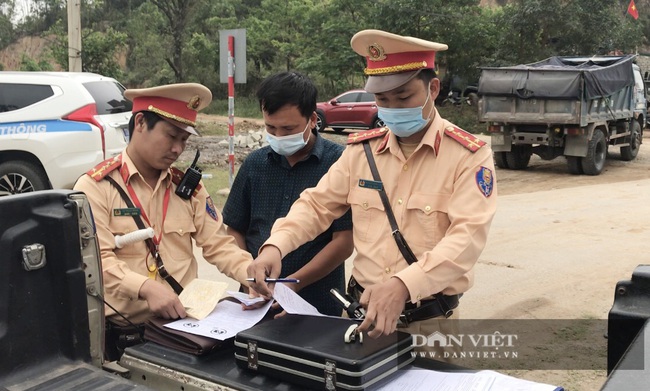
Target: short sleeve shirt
{"x": 264, "y": 190}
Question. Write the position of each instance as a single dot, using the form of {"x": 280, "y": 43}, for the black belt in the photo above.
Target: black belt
{"x": 438, "y": 305}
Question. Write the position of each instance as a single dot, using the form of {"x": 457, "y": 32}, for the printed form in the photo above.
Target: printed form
{"x": 224, "y": 322}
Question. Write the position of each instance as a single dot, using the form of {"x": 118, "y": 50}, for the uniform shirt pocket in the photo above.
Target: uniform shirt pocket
{"x": 177, "y": 238}
{"x": 429, "y": 211}
{"x": 368, "y": 217}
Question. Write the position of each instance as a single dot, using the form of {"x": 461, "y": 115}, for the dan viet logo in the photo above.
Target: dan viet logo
{"x": 495, "y": 345}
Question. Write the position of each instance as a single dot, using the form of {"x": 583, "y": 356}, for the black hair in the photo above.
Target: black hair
{"x": 285, "y": 88}
{"x": 426, "y": 75}
{"x": 150, "y": 118}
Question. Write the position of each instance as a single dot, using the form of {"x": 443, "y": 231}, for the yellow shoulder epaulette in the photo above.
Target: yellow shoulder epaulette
{"x": 366, "y": 135}
{"x": 104, "y": 168}
{"x": 177, "y": 176}
{"x": 464, "y": 138}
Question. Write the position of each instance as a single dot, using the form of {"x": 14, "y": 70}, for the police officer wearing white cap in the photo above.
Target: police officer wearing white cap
{"x": 439, "y": 184}
{"x": 140, "y": 184}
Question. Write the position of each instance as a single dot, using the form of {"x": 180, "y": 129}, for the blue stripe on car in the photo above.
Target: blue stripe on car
{"x": 9, "y": 128}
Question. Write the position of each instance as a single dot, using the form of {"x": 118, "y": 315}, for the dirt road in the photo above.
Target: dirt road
{"x": 557, "y": 247}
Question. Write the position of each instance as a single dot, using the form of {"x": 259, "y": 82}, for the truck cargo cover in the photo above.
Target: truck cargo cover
{"x": 560, "y": 78}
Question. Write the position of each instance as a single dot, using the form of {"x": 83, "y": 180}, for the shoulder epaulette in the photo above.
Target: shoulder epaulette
{"x": 366, "y": 135}
{"x": 177, "y": 176}
{"x": 104, "y": 168}
{"x": 464, "y": 138}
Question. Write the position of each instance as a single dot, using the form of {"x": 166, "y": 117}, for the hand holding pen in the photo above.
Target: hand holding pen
{"x": 284, "y": 280}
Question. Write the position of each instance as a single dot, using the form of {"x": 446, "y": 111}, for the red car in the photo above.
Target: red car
{"x": 355, "y": 109}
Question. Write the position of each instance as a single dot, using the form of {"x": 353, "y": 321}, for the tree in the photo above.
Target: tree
{"x": 6, "y": 29}
{"x": 177, "y": 14}
{"x": 99, "y": 49}
{"x": 326, "y": 53}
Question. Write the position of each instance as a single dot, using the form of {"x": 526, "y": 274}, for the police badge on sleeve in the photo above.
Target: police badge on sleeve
{"x": 211, "y": 209}
{"x": 485, "y": 181}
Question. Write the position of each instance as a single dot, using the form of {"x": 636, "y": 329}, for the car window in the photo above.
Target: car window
{"x": 109, "y": 97}
{"x": 352, "y": 97}
{"x": 367, "y": 97}
{"x": 16, "y": 96}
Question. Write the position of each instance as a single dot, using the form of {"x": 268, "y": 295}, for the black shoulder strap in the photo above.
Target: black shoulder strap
{"x": 399, "y": 239}
{"x": 152, "y": 246}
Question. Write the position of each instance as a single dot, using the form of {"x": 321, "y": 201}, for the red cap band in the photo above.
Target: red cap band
{"x": 166, "y": 107}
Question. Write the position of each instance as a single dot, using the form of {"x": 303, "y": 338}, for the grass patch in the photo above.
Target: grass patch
{"x": 245, "y": 107}
{"x": 220, "y": 180}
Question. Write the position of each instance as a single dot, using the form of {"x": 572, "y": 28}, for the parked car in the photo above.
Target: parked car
{"x": 54, "y": 126}
{"x": 355, "y": 109}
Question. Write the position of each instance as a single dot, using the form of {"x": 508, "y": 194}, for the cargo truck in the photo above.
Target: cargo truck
{"x": 575, "y": 107}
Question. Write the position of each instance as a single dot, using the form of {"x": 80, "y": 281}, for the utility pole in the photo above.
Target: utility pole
{"x": 74, "y": 35}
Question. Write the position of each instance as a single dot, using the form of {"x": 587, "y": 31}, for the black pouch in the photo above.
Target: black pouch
{"x": 311, "y": 351}
{"x": 155, "y": 331}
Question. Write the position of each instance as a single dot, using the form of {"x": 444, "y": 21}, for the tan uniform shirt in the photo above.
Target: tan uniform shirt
{"x": 125, "y": 269}
{"x": 443, "y": 197}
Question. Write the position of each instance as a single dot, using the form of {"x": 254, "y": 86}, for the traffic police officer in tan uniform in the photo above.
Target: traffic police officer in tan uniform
{"x": 163, "y": 119}
{"x": 439, "y": 182}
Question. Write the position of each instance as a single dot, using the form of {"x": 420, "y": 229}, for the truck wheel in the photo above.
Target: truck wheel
{"x": 519, "y": 157}
{"x": 629, "y": 153}
{"x": 575, "y": 165}
{"x": 500, "y": 159}
{"x": 21, "y": 177}
{"x": 594, "y": 162}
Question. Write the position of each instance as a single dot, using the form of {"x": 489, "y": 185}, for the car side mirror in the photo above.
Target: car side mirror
{"x": 334, "y": 102}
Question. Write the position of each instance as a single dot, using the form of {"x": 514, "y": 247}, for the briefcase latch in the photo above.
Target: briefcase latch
{"x": 252, "y": 355}
{"x": 330, "y": 375}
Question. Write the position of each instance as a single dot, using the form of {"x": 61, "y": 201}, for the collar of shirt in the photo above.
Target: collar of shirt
{"x": 429, "y": 138}
{"x": 128, "y": 170}
{"x": 316, "y": 151}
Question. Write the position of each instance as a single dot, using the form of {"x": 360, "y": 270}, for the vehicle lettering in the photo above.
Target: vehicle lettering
{"x": 22, "y": 128}
{"x": 17, "y": 128}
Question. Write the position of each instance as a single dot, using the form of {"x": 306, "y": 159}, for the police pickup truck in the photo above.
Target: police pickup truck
{"x": 54, "y": 126}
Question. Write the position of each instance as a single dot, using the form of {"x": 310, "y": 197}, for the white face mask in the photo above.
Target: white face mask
{"x": 407, "y": 121}
{"x": 288, "y": 145}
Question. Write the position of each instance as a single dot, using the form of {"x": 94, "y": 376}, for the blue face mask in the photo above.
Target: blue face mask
{"x": 404, "y": 122}
{"x": 288, "y": 145}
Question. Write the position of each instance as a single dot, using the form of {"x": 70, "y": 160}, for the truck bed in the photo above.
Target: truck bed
{"x": 558, "y": 90}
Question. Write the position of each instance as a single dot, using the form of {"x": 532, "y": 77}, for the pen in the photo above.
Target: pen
{"x": 293, "y": 280}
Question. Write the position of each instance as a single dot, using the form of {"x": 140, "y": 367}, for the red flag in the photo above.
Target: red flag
{"x": 631, "y": 9}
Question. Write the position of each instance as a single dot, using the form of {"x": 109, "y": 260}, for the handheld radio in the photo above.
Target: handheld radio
{"x": 190, "y": 180}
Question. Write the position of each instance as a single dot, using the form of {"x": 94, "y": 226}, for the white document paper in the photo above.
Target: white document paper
{"x": 225, "y": 321}
{"x": 426, "y": 380}
{"x": 244, "y": 299}
{"x": 291, "y": 302}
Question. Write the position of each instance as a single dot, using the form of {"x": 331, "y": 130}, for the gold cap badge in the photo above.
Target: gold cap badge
{"x": 376, "y": 52}
{"x": 194, "y": 102}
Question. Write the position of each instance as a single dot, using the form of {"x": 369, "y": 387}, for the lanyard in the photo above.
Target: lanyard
{"x": 156, "y": 240}
{"x": 137, "y": 203}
